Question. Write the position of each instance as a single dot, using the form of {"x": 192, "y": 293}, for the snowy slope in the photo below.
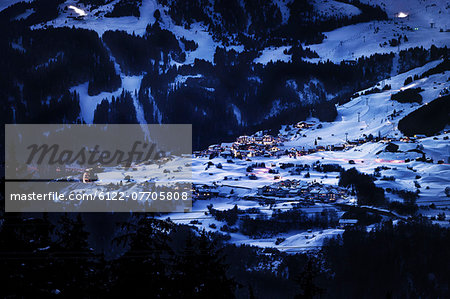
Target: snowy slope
{"x": 273, "y": 54}
{"x": 374, "y": 110}
{"x": 420, "y": 11}
{"x": 364, "y": 115}
{"x": 346, "y": 43}
{"x": 95, "y": 20}
{"x": 88, "y": 103}
{"x": 351, "y": 42}
{"x": 335, "y": 8}
{"x": 284, "y": 9}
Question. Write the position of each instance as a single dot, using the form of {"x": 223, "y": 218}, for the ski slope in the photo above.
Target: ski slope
{"x": 95, "y": 20}
{"x": 364, "y": 39}
{"x": 329, "y": 8}
{"x": 373, "y": 111}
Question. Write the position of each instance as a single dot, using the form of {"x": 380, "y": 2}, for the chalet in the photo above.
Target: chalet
{"x": 226, "y": 154}
{"x": 280, "y": 139}
{"x": 293, "y": 193}
{"x": 214, "y": 147}
{"x": 349, "y": 62}
{"x": 245, "y": 153}
{"x": 303, "y": 125}
{"x": 282, "y": 193}
{"x": 323, "y": 194}
{"x": 205, "y": 193}
{"x": 266, "y": 190}
{"x": 407, "y": 139}
{"x": 337, "y": 147}
{"x": 349, "y": 145}
{"x": 329, "y": 195}
{"x": 296, "y": 171}
{"x": 304, "y": 190}
{"x": 287, "y": 183}
{"x": 344, "y": 223}
{"x": 310, "y": 151}
{"x": 268, "y": 140}
{"x": 274, "y": 149}
{"x": 361, "y": 140}
{"x": 89, "y": 176}
{"x": 320, "y": 148}
{"x": 314, "y": 194}
{"x": 302, "y": 153}
{"x": 259, "y": 140}
{"x": 420, "y": 136}
{"x": 342, "y": 192}
{"x": 244, "y": 139}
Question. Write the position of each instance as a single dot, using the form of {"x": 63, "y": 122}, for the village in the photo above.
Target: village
{"x": 298, "y": 190}
{"x": 260, "y": 145}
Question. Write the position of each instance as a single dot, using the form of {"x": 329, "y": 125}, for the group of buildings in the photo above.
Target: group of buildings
{"x": 246, "y": 146}
{"x": 260, "y": 145}
{"x": 312, "y": 191}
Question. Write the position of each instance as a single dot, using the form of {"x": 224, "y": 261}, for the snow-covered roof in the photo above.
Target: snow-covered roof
{"x": 348, "y": 221}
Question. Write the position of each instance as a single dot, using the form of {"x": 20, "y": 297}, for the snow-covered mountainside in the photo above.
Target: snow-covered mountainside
{"x": 232, "y": 68}
{"x": 244, "y": 189}
{"x": 375, "y": 113}
{"x": 95, "y": 19}
{"x": 418, "y": 165}
{"x": 423, "y": 23}
{"x": 320, "y": 164}
{"x": 245, "y": 67}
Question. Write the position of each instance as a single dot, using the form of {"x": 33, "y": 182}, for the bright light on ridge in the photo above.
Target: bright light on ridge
{"x": 77, "y": 10}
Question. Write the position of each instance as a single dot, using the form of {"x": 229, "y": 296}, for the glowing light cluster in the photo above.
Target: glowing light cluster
{"x": 402, "y": 15}
{"x": 78, "y": 11}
